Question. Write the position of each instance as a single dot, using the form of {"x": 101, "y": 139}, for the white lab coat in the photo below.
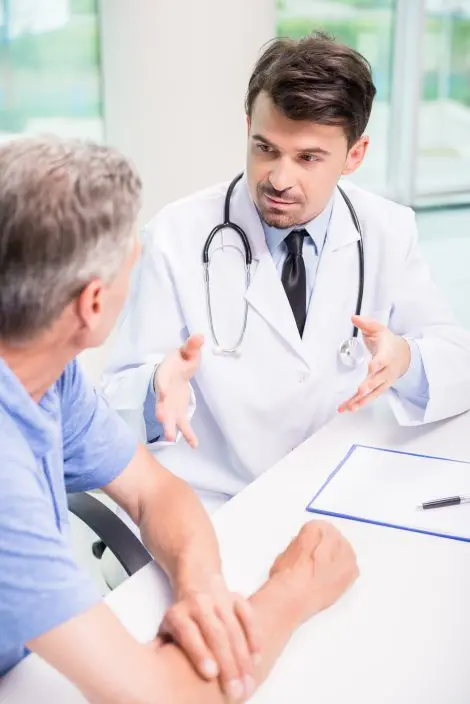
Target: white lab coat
{"x": 252, "y": 410}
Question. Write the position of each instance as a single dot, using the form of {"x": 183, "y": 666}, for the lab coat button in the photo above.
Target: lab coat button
{"x": 303, "y": 378}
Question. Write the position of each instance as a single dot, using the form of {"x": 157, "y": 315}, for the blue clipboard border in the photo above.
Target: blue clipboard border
{"x": 358, "y": 519}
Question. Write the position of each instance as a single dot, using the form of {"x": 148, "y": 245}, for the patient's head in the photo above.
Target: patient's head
{"x": 68, "y": 239}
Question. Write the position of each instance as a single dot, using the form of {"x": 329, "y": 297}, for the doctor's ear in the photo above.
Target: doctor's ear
{"x": 356, "y": 155}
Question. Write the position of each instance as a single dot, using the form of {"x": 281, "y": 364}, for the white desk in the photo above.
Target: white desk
{"x": 400, "y": 636}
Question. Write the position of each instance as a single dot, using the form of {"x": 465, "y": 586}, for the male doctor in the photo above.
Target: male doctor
{"x": 308, "y": 104}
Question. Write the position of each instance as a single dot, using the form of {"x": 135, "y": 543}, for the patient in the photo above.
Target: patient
{"x": 67, "y": 246}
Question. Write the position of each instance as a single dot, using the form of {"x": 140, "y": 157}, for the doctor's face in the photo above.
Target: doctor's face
{"x": 293, "y": 166}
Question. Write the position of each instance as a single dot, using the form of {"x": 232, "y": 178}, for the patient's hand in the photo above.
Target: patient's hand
{"x": 316, "y": 568}
{"x": 218, "y": 631}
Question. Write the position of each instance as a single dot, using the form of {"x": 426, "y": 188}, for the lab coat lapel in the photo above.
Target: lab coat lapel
{"x": 266, "y": 293}
{"x": 336, "y": 285}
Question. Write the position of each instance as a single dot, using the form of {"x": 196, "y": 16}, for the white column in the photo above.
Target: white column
{"x": 175, "y": 74}
{"x": 405, "y": 101}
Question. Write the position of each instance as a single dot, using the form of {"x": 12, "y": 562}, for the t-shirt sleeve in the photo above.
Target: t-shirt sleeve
{"x": 41, "y": 586}
{"x": 98, "y": 445}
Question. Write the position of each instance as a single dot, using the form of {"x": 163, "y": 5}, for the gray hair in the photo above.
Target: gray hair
{"x": 67, "y": 213}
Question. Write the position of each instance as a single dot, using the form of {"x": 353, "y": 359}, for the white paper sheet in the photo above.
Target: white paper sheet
{"x": 384, "y": 486}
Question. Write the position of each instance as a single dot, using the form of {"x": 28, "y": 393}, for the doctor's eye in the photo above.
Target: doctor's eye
{"x": 309, "y": 158}
{"x": 264, "y": 148}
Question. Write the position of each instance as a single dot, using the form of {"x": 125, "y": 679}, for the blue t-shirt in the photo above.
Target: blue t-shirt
{"x": 70, "y": 441}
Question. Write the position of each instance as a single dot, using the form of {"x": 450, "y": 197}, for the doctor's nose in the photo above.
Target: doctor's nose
{"x": 280, "y": 179}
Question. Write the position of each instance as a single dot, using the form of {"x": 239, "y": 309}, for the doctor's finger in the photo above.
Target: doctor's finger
{"x": 368, "y": 386}
{"x": 368, "y": 326}
{"x": 378, "y": 391}
{"x": 168, "y": 420}
{"x": 188, "y": 433}
{"x": 377, "y": 364}
{"x": 376, "y": 375}
{"x": 348, "y": 404}
{"x": 162, "y": 381}
{"x": 162, "y": 412}
{"x": 192, "y": 347}
{"x": 371, "y": 381}
{"x": 358, "y": 401}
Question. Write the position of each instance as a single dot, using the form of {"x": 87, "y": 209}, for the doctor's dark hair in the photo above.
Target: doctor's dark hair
{"x": 316, "y": 79}
{"x": 67, "y": 215}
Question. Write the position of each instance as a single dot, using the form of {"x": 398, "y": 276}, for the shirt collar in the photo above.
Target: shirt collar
{"x": 36, "y": 421}
{"x": 317, "y": 228}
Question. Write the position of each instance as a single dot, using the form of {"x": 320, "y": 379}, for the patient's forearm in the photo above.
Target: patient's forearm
{"x": 277, "y": 619}
{"x": 182, "y": 540}
{"x": 98, "y": 655}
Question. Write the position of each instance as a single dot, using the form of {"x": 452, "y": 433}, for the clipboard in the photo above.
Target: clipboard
{"x": 383, "y": 487}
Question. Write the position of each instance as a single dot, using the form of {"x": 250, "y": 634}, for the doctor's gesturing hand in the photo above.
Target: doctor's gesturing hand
{"x": 171, "y": 383}
{"x": 391, "y": 356}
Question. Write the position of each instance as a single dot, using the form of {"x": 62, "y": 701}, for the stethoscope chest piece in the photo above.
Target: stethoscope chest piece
{"x": 222, "y": 352}
{"x": 352, "y": 353}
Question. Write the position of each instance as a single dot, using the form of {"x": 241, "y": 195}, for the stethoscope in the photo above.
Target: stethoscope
{"x": 351, "y": 351}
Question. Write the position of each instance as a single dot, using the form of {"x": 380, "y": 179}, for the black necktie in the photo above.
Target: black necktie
{"x": 294, "y": 277}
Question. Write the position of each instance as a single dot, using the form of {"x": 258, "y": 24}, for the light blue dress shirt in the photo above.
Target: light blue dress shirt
{"x": 414, "y": 384}
{"x": 312, "y": 248}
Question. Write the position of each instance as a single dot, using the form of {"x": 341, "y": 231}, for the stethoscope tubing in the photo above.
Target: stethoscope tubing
{"x": 229, "y": 225}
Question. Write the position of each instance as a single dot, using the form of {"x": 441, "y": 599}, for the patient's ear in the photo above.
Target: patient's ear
{"x": 89, "y": 305}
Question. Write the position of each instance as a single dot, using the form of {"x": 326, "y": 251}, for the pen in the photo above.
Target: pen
{"x": 442, "y": 503}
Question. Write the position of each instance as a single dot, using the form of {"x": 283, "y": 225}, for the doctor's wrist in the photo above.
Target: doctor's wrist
{"x": 405, "y": 356}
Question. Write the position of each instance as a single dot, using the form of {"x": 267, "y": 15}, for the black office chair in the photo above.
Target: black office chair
{"x": 111, "y": 531}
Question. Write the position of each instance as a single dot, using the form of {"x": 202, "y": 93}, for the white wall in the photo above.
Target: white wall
{"x": 175, "y": 74}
